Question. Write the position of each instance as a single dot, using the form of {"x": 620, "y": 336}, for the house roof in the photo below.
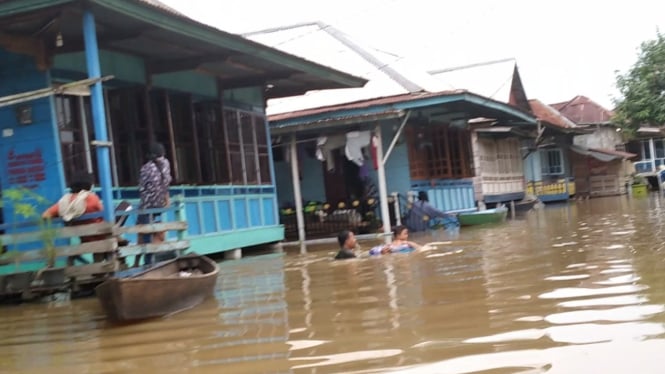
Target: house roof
{"x": 466, "y": 103}
{"x": 168, "y": 42}
{"x": 499, "y": 80}
{"x": 584, "y": 111}
{"x": 550, "y": 115}
{"x": 387, "y": 74}
{"x": 602, "y": 154}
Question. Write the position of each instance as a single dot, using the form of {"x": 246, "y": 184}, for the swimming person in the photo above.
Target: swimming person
{"x": 347, "y": 243}
{"x": 400, "y": 243}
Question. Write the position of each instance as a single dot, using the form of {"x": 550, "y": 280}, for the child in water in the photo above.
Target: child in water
{"x": 400, "y": 243}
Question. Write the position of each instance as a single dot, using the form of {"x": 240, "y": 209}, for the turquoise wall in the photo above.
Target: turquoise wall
{"x": 311, "y": 185}
{"x": 29, "y": 154}
{"x": 123, "y": 67}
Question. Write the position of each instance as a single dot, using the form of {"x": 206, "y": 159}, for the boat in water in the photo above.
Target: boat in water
{"x": 162, "y": 289}
{"x": 481, "y": 217}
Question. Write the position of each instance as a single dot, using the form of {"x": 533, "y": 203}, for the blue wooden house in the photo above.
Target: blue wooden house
{"x": 85, "y": 85}
{"x": 415, "y": 133}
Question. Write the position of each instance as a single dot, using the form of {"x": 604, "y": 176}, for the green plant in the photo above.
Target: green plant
{"x": 25, "y": 204}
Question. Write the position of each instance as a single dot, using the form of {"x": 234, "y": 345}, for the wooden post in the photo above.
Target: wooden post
{"x": 98, "y": 112}
{"x": 297, "y": 194}
{"x": 195, "y": 133}
{"x": 180, "y": 216}
{"x": 169, "y": 123}
{"x": 383, "y": 189}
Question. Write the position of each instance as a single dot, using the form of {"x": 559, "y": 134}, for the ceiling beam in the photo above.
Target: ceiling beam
{"x": 181, "y": 64}
{"x": 77, "y": 44}
{"x": 255, "y": 80}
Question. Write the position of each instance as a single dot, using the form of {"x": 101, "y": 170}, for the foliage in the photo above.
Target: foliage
{"x": 642, "y": 89}
{"x": 25, "y": 204}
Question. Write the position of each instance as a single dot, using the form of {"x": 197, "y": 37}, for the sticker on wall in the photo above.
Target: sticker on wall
{"x": 6, "y": 133}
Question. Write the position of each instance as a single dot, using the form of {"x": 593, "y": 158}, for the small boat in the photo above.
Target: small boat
{"x": 481, "y": 217}
{"x": 526, "y": 204}
{"x": 165, "y": 288}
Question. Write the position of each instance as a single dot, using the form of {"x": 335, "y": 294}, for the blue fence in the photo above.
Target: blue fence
{"x": 448, "y": 195}
{"x": 215, "y": 209}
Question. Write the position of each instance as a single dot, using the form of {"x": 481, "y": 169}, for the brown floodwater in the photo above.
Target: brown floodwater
{"x": 571, "y": 288}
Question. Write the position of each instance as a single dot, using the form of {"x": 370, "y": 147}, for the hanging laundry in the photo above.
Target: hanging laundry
{"x": 355, "y": 141}
{"x": 375, "y": 144}
{"x": 326, "y": 145}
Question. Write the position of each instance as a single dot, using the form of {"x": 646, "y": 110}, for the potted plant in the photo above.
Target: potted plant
{"x": 638, "y": 187}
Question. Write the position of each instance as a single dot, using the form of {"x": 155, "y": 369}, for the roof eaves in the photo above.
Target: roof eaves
{"x": 462, "y": 67}
{"x": 151, "y": 13}
{"x": 8, "y": 8}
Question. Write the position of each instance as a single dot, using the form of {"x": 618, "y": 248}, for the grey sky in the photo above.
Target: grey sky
{"x": 563, "y": 48}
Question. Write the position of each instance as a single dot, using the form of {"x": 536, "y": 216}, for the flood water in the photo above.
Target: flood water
{"x": 572, "y": 288}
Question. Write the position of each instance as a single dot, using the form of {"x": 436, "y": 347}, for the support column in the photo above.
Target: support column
{"x": 98, "y": 114}
{"x": 297, "y": 194}
{"x": 383, "y": 189}
{"x": 233, "y": 254}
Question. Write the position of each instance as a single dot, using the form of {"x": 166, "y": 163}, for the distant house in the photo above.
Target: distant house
{"x": 599, "y": 159}
{"x": 424, "y": 126}
{"x": 497, "y": 156}
{"x": 548, "y": 169}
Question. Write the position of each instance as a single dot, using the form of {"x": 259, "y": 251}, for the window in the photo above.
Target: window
{"x": 248, "y": 147}
{"x": 72, "y": 115}
{"x": 551, "y": 161}
{"x": 204, "y": 143}
{"x": 438, "y": 151}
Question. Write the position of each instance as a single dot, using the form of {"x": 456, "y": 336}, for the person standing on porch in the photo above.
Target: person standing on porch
{"x": 154, "y": 182}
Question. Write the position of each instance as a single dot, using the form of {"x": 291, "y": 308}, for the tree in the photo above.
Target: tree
{"x": 642, "y": 89}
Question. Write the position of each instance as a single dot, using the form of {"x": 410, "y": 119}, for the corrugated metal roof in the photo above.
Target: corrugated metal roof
{"x": 362, "y": 104}
{"x": 491, "y": 79}
{"x": 602, "y": 154}
{"x": 388, "y": 74}
{"x": 584, "y": 111}
{"x": 550, "y": 115}
{"x": 162, "y": 6}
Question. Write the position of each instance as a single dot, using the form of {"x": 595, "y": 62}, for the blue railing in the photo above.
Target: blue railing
{"x": 448, "y": 195}
{"x": 215, "y": 209}
{"x": 645, "y": 166}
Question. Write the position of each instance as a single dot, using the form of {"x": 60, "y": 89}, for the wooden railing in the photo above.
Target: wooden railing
{"x": 38, "y": 251}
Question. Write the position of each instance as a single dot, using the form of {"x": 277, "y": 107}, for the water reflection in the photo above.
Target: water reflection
{"x": 572, "y": 288}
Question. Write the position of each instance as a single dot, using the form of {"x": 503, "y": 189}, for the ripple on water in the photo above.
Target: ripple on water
{"x": 571, "y": 292}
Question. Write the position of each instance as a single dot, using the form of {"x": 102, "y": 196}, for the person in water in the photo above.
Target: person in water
{"x": 400, "y": 243}
{"x": 347, "y": 243}
{"x": 422, "y": 212}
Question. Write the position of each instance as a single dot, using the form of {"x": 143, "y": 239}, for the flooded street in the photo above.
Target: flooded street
{"x": 573, "y": 288}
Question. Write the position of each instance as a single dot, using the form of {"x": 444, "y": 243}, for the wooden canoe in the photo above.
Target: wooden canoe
{"x": 482, "y": 217}
{"x": 165, "y": 288}
{"x": 525, "y": 205}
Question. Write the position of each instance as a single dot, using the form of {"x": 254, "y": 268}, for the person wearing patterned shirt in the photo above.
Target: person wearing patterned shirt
{"x": 154, "y": 181}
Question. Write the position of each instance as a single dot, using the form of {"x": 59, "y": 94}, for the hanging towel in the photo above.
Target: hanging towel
{"x": 329, "y": 145}
{"x": 355, "y": 141}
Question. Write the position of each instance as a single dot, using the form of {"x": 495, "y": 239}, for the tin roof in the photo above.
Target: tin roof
{"x": 169, "y": 42}
{"x": 468, "y": 104}
{"x": 499, "y": 80}
{"x": 550, "y": 115}
{"x": 584, "y": 111}
{"x": 387, "y": 74}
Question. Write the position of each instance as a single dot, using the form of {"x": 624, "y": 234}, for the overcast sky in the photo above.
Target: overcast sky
{"x": 563, "y": 48}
